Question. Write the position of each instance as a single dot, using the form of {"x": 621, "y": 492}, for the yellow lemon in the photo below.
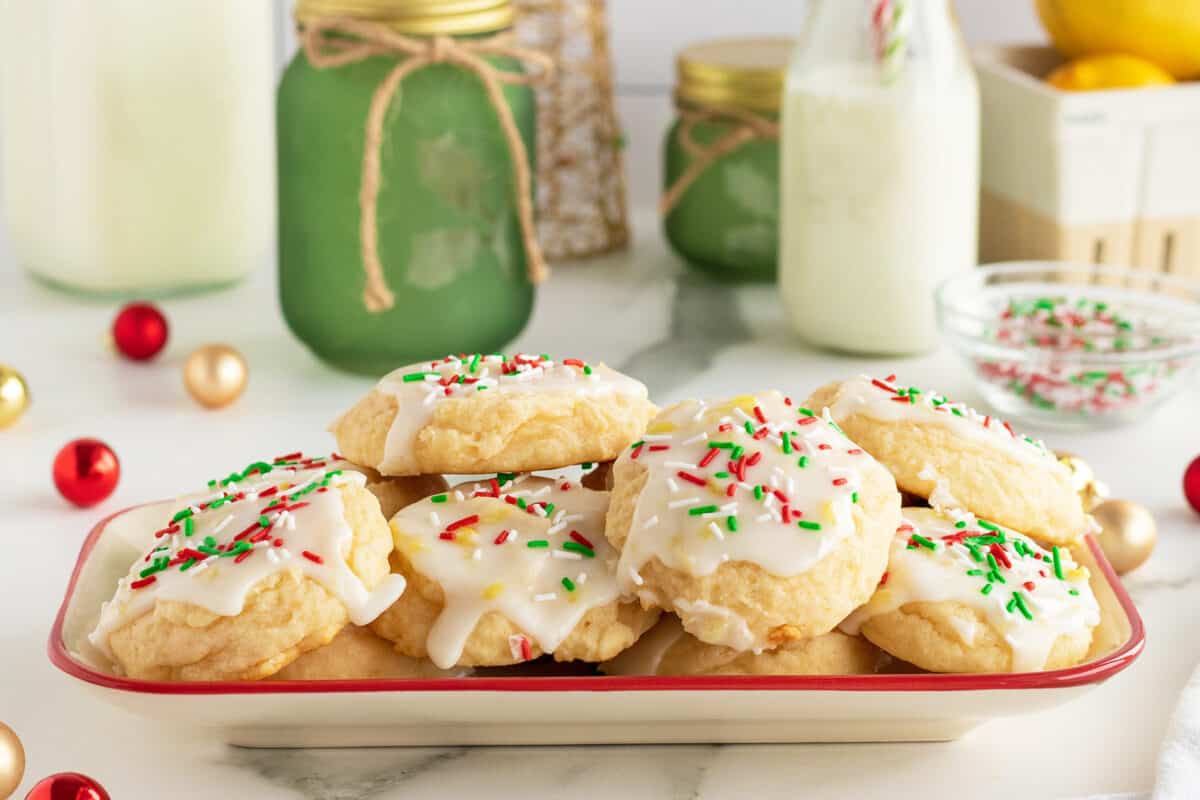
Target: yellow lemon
{"x": 1166, "y": 32}
{"x": 1107, "y": 72}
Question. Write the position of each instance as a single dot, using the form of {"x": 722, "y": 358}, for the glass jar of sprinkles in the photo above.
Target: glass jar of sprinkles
{"x": 720, "y": 202}
{"x": 405, "y": 144}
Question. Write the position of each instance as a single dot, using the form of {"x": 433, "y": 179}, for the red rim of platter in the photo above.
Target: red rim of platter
{"x": 1091, "y": 672}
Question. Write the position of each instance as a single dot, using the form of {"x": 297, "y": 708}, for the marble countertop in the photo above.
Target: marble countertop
{"x": 641, "y": 313}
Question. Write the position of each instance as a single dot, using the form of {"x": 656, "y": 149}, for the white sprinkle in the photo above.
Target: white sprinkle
{"x": 514, "y": 645}
{"x": 522, "y": 493}
{"x": 284, "y": 554}
{"x": 699, "y": 437}
{"x": 637, "y": 579}
{"x": 571, "y": 518}
{"x": 791, "y": 484}
{"x": 477, "y": 555}
{"x": 763, "y": 518}
{"x": 656, "y": 437}
{"x": 542, "y": 491}
{"x": 688, "y": 501}
{"x": 291, "y": 522}
{"x": 673, "y": 485}
{"x": 274, "y": 559}
{"x": 567, "y": 554}
{"x": 729, "y": 508}
{"x": 700, "y": 409}
{"x": 434, "y": 519}
{"x": 774, "y": 481}
{"x": 678, "y": 465}
{"x": 558, "y": 515}
{"x": 650, "y": 523}
{"x": 581, "y": 578}
{"x": 541, "y": 598}
{"x": 553, "y": 529}
{"x": 716, "y": 530}
{"x": 196, "y": 570}
{"x": 458, "y": 495}
{"x": 223, "y": 524}
{"x": 433, "y": 378}
{"x": 726, "y": 418}
{"x": 429, "y": 398}
{"x": 745, "y": 417}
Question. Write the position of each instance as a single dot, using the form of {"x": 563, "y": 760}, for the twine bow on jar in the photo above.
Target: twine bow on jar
{"x": 331, "y": 42}
{"x": 746, "y": 126}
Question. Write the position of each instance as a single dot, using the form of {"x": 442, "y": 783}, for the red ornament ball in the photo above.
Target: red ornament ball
{"x": 140, "y": 331}
{"x": 1191, "y": 484}
{"x": 86, "y": 471}
{"x": 67, "y": 786}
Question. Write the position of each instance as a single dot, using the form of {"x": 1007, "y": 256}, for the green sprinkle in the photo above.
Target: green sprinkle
{"x": 854, "y": 497}
{"x": 809, "y": 526}
{"x": 975, "y": 573}
{"x": 1073, "y": 591}
{"x": 185, "y": 566}
{"x": 576, "y": 547}
{"x": 1058, "y": 573}
{"x": 987, "y": 589}
{"x": 587, "y": 370}
{"x": 721, "y": 474}
{"x": 480, "y": 387}
{"x": 189, "y": 527}
{"x": 264, "y": 521}
{"x": 960, "y": 524}
{"x": 983, "y": 523}
{"x": 991, "y": 559}
{"x": 786, "y": 439}
{"x": 537, "y": 543}
{"x": 731, "y": 523}
{"x": 928, "y": 544}
{"x": 1019, "y": 599}
{"x": 521, "y": 503}
{"x": 586, "y": 465}
{"x": 956, "y": 412}
{"x": 568, "y": 584}
{"x": 698, "y": 510}
{"x": 803, "y": 462}
{"x": 184, "y": 514}
{"x": 737, "y": 453}
{"x": 974, "y": 551}
{"x": 807, "y": 412}
{"x": 438, "y": 498}
{"x": 210, "y": 541}
{"x": 1011, "y": 605}
{"x": 549, "y": 508}
{"x": 721, "y": 445}
{"x": 474, "y": 363}
{"x": 212, "y": 484}
{"x": 749, "y": 427}
{"x": 413, "y": 377}
{"x": 505, "y": 477}
{"x": 758, "y": 493}
{"x": 637, "y": 444}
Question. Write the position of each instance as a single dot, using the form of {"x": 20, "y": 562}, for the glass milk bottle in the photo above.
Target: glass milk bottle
{"x": 879, "y": 175}
{"x": 137, "y": 145}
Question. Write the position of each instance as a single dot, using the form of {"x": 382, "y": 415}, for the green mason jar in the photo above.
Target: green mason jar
{"x": 448, "y": 234}
{"x": 720, "y": 199}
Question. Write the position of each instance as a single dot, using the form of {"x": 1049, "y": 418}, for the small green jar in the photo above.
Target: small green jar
{"x": 721, "y": 158}
{"x": 448, "y": 234}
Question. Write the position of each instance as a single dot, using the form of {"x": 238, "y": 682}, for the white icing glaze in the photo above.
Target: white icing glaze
{"x": 646, "y": 655}
{"x": 949, "y": 572}
{"x": 941, "y": 497}
{"x": 689, "y": 473}
{"x": 466, "y": 375}
{"x": 215, "y": 548}
{"x": 480, "y": 568}
{"x": 881, "y": 400}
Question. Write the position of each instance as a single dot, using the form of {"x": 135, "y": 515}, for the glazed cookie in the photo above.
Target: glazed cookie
{"x": 357, "y": 653}
{"x": 667, "y": 649}
{"x": 488, "y": 413}
{"x": 394, "y": 494}
{"x": 271, "y": 563}
{"x": 956, "y": 457}
{"x": 504, "y": 570}
{"x": 962, "y": 594}
{"x": 756, "y": 522}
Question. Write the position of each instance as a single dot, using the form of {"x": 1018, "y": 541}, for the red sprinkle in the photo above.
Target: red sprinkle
{"x": 461, "y": 523}
{"x": 882, "y": 385}
{"x": 883, "y": 580}
{"x": 840, "y": 481}
{"x": 725, "y": 426}
{"x": 761, "y": 433}
{"x": 277, "y": 543}
{"x": 905, "y": 527}
{"x": 1002, "y": 557}
{"x": 311, "y": 556}
{"x": 754, "y": 459}
{"x": 758, "y": 414}
{"x": 690, "y": 478}
{"x": 780, "y": 496}
{"x": 447, "y": 536}
{"x": 730, "y": 490}
{"x": 579, "y": 537}
{"x": 268, "y": 492}
{"x": 855, "y": 451}
{"x": 901, "y": 399}
{"x": 637, "y": 451}
{"x": 824, "y": 447}
{"x": 1011, "y": 432}
{"x": 501, "y": 537}
{"x": 658, "y": 448}
{"x": 143, "y": 583}
{"x": 807, "y": 420}
{"x": 290, "y": 456}
{"x": 573, "y": 362}
{"x": 1028, "y": 585}
{"x": 787, "y": 401}
{"x": 708, "y": 457}
{"x": 242, "y": 556}
{"x": 526, "y": 650}
{"x": 891, "y": 378}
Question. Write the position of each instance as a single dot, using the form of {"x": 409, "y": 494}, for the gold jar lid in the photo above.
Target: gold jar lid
{"x": 739, "y": 73}
{"x": 417, "y": 17}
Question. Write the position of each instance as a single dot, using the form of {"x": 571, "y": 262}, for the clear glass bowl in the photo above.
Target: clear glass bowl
{"x": 1073, "y": 345}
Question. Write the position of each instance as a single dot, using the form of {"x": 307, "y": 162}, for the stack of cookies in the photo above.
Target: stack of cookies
{"x": 487, "y": 511}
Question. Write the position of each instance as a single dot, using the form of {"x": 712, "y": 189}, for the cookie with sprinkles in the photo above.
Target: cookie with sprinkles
{"x": 272, "y": 561}
{"x": 359, "y": 654}
{"x": 394, "y": 493}
{"x": 477, "y": 413}
{"x": 963, "y": 594}
{"x": 955, "y": 457}
{"x": 667, "y": 649}
{"x": 756, "y": 521}
{"x": 504, "y": 570}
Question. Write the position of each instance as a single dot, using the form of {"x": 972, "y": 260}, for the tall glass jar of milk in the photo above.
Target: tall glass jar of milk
{"x": 137, "y": 141}
{"x": 880, "y": 172}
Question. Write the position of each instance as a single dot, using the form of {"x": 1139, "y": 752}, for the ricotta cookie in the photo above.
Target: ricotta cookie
{"x": 473, "y": 414}
{"x": 956, "y": 457}
{"x": 962, "y": 594}
{"x": 667, "y": 649}
{"x": 502, "y": 571}
{"x": 357, "y": 653}
{"x": 755, "y": 521}
{"x": 271, "y": 563}
{"x": 394, "y": 494}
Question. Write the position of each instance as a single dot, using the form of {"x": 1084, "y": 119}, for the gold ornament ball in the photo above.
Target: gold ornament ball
{"x": 1083, "y": 480}
{"x": 14, "y": 395}
{"x": 215, "y": 375}
{"x": 12, "y": 761}
{"x": 1127, "y": 534}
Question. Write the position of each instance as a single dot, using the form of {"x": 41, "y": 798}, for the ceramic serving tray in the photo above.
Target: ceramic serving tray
{"x": 573, "y": 709}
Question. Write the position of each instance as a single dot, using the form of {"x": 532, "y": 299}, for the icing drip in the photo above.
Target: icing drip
{"x": 752, "y": 479}
{"x": 884, "y": 400}
{"x": 1028, "y": 594}
{"x": 531, "y": 549}
{"x": 283, "y": 515}
{"x": 419, "y": 388}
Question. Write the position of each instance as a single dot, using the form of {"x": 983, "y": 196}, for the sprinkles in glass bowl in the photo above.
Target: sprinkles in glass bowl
{"x": 1071, "y": 345}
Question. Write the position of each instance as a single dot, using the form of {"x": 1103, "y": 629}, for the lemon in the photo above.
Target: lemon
{"x": 1107, "y": 72}
{"x": 1166, "y": 32}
